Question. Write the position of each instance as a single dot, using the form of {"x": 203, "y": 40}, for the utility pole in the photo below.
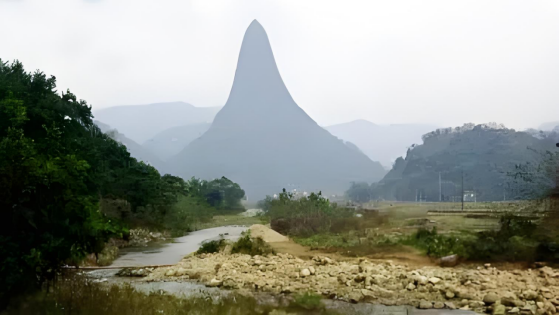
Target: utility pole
{"x": 439, "y": 186}
{"x": 462, "y": 190}
{"x": 475, "y": 195}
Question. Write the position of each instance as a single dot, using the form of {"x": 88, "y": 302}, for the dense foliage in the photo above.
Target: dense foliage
{"x": 479, "y": 159}
{"x": 517, "y": 239}
{"x": 246, "y": 244}
{"x": 66, "y": 187}
{"x": 220, "y": 193}
{"x": 54, "y": 165}
{"x": 360, "y": 192}
{"x": 305, "y": 216}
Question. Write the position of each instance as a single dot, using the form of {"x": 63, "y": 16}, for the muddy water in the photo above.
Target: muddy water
{"x": 172, "y": 252}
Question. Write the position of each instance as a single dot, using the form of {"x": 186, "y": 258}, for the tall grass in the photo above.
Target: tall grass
{"x": 314, "y": 215}
{"x": 76, "y": 295}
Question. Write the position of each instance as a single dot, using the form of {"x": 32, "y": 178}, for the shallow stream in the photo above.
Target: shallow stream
{"x": 169, "y": 253}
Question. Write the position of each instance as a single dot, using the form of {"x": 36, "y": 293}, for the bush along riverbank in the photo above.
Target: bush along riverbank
{"x": 76, "y": 294}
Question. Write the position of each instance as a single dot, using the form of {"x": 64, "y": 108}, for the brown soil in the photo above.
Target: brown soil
{"x": 402, "y": 255}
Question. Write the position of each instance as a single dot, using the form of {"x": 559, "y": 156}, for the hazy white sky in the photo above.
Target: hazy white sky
{"x": 393, "y": 61}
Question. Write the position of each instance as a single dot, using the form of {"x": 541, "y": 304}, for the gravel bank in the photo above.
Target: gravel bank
{"x": 483, "y": 289}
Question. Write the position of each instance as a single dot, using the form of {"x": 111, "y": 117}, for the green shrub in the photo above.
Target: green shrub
{"x": 308, "y": 301}
{"x": 251, "y": 246}
{"x": 437, "y": 245}
{"x": 516, "y": 240}
{"x": 186, "y": 214}
{"x": 211, "y": 246}
{"x": 306, "y": 216}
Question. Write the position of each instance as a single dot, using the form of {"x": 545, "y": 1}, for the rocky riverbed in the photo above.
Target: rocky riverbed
{"x": 482, "y": 289}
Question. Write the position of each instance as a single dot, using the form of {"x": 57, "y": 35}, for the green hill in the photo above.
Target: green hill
{"x": 482, "y": 159}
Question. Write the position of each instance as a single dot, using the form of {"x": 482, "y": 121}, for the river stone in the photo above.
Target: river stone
{"x": 354, "y": 269}
{"x": 499, "y": 309}
{"x": 439, "y": 305}
{"x": 312, "y": 270}
{"x": 434, "y": 280}
{"x": 355, "y": 296}
{"x": 514, "y": 310}
{"x": 449, "y": 295}
{"x": 422, "y": 280}
{"x": 425, "y": 304}
{"x": 509, "y": 299}
{"x": 215, "y": 283}
{"x": 368, "y": 294}
{"x": 449, "y": 261}
{"x": 450, "y": 305}
{"x": 490, "y": 298}
{"x": 305, "y": 272}
{"x": 230, "y": 284}
{"x": 530, "y": 295}
{"x": 410, "y": 286}
{"x": 170, "y": 272}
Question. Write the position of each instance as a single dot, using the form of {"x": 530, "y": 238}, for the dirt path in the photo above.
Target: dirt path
{"x": 403, "y": 255}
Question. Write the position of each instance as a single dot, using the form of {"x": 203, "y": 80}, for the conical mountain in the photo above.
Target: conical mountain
{"x": 264, "y": 141}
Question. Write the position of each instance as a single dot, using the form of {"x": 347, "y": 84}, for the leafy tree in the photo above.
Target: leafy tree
{"x": 48, "y": 192}
{"x": 55, "y": 167}
{"x": 265, "y": 203}
{"x": 221, "y": 193}
{"x": 359, "y": 192}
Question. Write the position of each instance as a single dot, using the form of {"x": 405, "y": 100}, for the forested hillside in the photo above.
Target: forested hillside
{"x": 57, "y": 168}
{"x": 485, "y": 160}
{"x": 136, "y": 150}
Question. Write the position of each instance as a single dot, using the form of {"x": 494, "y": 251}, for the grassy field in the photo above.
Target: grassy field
{"x": 398, "y": 229}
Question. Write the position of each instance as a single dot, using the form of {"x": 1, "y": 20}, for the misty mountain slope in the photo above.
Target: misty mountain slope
{"x": 552, "y": 125}
{"x": 383, "y": 143}
{"x": 142, "y": 122}
{"x": 264, "y": 141}
{"x": 171, "y": 141}
{"x": 481, "y": 158}
{"x": 135, "y": 150}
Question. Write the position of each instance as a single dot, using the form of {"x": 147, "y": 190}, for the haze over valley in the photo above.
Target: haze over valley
{"x": 331, "y": 157}
{"x": 264, "y": 141}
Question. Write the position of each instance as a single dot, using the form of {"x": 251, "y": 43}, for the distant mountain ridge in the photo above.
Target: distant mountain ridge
{"x": 478, "y": 158}
{"x": 383, "y": 143}
{"x": 142, "y": 122}
{"x": 264, "y": 141}
{"x": 170, "y": 142}
{"x": 549, "y": 126}
{"x": 135, "y": 150}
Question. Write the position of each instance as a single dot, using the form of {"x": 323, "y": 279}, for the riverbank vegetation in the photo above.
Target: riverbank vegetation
{"x": 67, "y": 188}
{"x": 311, "y": 215}
{"x": 78, "y": 295}
{"x": 518, "y": 231}
{"x": 244, "y": 245}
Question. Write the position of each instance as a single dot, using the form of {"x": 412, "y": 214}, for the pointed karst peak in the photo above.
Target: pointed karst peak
{"x": 256, "y": 30}
{"x": 255, "y": 24}
{"x": 257, "y": 82}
